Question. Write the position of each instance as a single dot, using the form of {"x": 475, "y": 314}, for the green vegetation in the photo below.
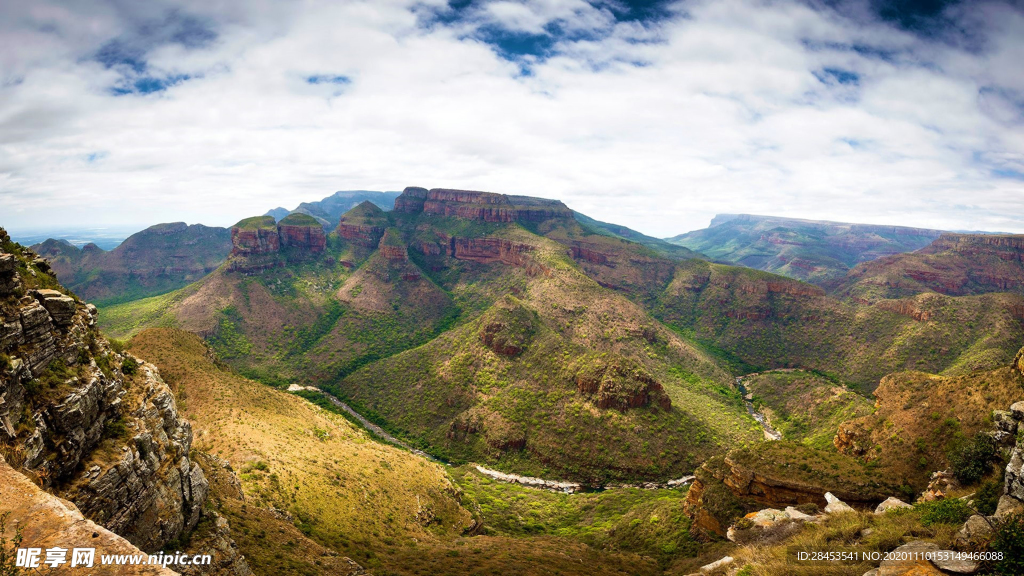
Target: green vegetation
{"x": 1009, "y": 539}
{"x": 257, "y": 222}
{"x": 971, "y": 457}
{"x": 952, "y": 511}
{"x": 649, "y": 522}
{"x": 295, "y": 219}
{"x": 8, "y": 556}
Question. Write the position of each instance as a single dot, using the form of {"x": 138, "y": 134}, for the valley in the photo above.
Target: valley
{"x": 480, "y": 383}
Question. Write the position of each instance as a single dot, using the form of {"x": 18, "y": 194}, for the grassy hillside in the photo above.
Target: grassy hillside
{"x": 344, "y": 489}
{"x": 804, "y": 406}
{"x": 955, "y": 265}
{"x": 811, "y": 250}
{"x": 511, "y": 385}
{"x": 313, "y": 487}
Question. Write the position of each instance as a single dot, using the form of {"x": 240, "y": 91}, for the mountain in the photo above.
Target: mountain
{"x": 954, "y": 264}
{"x": 158, "y": 259}
{"x": 328, "y": 210}
{"x": 811, "y": 250}
{"x": 767, "y": 321}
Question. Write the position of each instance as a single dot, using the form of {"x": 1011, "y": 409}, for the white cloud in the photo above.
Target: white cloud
{"x": 655, "y": 125}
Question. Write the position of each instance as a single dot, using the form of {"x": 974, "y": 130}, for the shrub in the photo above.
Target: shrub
{"x": 8, "y": 556}
{"x": 1009, "y": 539}
{"x": 115, "y": 429}
{"x": 5, "y": 362}
{"x": 987, "y": 497}
{"x": 971, "y": 458}
{"x": 130, "y": 366}
{"x": 949, "y": 511}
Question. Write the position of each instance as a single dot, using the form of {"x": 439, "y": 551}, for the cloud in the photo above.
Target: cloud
{"x": 655, "y": 116}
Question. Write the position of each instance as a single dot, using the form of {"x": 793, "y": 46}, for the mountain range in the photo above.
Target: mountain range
{"x": 481, "y": 337}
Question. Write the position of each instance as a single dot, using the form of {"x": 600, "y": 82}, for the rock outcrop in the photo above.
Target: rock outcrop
{"x": 620, "y": 383}
{"x": 363, "y": 225}
{"x": 258, "y": 243}
{"x": 47, "y": 521}
{"x": 96, "y": 426}
{"x": 485, "y": 206}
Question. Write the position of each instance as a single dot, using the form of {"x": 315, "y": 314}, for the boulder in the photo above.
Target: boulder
{"x": 799, "y": 516}
{"x": 950, "y": 561}
{"x": 767, "y": 517}
{"x": 8, "y": 264}
{"x": 977, "y": 529}
{"x": 835, "y": 505}
{"x": 1017, "y": 410}
{"x": 1004, "y": 421}
{"x": 1008, "y": 505}
{"x": 910, "y": 559}
{"x": 891, "y": 503}
{"x": 717, "y": 566}
{"x": 61, "y": 307}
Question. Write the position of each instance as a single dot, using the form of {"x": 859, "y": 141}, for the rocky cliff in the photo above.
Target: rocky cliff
{"x": 363, "y": 225}
{"x": 87, "y": 422}
{"x": 954, "y": 264}
{"x": 48, "y": 521}
{"x": 258, "y": 243}
{"x": 485, "y": 206}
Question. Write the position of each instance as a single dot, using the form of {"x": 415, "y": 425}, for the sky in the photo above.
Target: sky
{"x": 652, "y": 114}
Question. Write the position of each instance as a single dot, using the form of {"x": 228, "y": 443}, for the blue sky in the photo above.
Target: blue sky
{"x": 652, "y": 114}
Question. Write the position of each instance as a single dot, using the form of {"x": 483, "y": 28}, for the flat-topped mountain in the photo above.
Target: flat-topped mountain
{"x": 811, "y": 250}
{"x": 473, "y": 205}
{"x": 260, "y": 242}
{"x": 954, "y": 264}
{"x": 158, "y": 259}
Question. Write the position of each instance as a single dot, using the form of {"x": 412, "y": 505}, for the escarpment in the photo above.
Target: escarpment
{"x": 484, "y": 206}
{"x": 88, "y": 423}
{"x": 259, "y": 243}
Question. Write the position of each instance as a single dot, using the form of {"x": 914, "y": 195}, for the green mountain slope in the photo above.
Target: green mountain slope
{"x": 811, "y": 250}
{"x": 158, "y": 259}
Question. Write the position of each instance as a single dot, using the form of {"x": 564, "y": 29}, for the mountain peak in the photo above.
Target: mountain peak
{"x": 477, "y": 205}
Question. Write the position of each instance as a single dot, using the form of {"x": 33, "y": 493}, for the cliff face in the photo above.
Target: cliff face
{"x": 485, "y": 206}
{"x": 48, "y": 521}
{"x": 258, "y": 243}
{"x": 93, "y": 425}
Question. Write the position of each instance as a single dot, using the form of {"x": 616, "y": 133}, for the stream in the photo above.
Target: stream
{"x": 769, "y": 432}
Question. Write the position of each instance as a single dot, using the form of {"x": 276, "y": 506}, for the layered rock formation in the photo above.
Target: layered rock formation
{"x": 48, "y": 521}
{"x": 302, "y": 232}
{"x": 96, "y": 426}
{"x": 258, "y": 243}
{"x": 363, "y": 225}
{"x": 954, "y": 264}
{"x": 619, "y": 383}
{"x": 485, "y": 206}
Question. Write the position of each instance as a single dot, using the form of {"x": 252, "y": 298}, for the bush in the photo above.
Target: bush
{"x": 130, "y": 366}
{"x": 5, "y": 362}
{"x": 1009, "y": 539}
{"x": 8, "y": 556}
{"x": 971, "y": 458}
{"x": 987, "y": 497}
{"x": 949, "y": 511}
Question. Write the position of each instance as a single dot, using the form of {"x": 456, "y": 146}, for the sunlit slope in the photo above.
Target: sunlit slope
{"x": 564, "y": 378}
